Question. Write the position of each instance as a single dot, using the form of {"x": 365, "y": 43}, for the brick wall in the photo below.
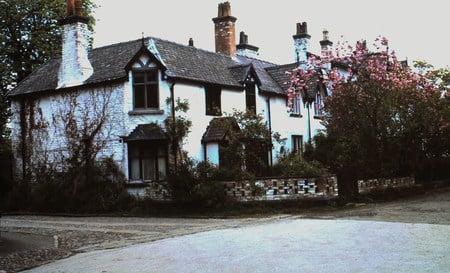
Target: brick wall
{"x": 282, "y": 188}
{"x": 265, "y": 189}
{"x": 365, "y": 186}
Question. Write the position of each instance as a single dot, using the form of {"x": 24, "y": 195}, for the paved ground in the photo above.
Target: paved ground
{"x": 29, "y": 239}
{"x": 287, "y": 245}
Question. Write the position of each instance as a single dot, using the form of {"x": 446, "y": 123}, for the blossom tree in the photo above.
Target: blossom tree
{"x": 384, "y": 117}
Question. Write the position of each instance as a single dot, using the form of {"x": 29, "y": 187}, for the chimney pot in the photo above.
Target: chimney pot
{"x": 243, "y": 38}
{"x": 224, "y": 30}
{"x": 325, "y": 35}
{"x": 302, "y": 28}
{"x": 301, "y": 43}
{"x": 70, "y": 8}
{"x": 78, "y": 7}
{"x": 191, "y": 42}
{"x": 224, "y": 9}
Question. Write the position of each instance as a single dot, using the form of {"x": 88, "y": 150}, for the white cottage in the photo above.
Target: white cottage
{"x": 131, "y": 87}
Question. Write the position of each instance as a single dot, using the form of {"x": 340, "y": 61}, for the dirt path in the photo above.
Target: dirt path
{"x": 432, "y": 208}
{"x": 31, "y": 240}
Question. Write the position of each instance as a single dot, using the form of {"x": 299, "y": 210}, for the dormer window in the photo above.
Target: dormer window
{"x": 145, "y": 89}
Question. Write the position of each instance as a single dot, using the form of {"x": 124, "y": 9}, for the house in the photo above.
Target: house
{"x": 131, "y": 88}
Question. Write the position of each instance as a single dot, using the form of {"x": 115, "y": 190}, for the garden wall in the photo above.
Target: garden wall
{"x": 282, "y": 188}
{"x": 261, "y": 189}
{"x": 365, "y": 186}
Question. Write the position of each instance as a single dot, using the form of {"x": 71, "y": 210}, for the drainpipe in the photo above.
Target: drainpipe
{"x": 172, "y": 101}
{"x": 23, "y": 138}
{"x": 269, "y": 113}
{"x": 309, "y": 122}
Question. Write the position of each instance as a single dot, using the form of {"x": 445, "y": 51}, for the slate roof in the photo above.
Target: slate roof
{"x": 218, "y": 129}
{"x": 278, "y": 74}
{"x": 182, "y": 62}
{"x": 146, "y": 132}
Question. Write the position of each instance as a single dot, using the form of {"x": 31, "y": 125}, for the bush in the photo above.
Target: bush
{"x": 197, "y": 184}
{"x": 295, "y": 166}
{"x": 6, "y": 181}
{"x": 100, "y": 189}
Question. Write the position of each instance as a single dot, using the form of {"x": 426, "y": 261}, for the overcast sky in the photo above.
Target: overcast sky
{"x": 417, "y": 30}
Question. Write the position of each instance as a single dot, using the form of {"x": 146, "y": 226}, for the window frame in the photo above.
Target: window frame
{"x": 250, "y": 95}
{"x": 297, "y": 144}
{"x": 147, "y": 150}
{"x": 318, "y": 105}
{"x": 213, "y": 96}
{"x": 296, "y": 109}
{"x": 148, "y": 83}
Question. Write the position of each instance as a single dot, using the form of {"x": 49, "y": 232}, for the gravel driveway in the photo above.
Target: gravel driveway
{"x": 35, "y": 234}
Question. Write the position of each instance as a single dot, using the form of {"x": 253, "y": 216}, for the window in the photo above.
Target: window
{"x": 296, "y": 106}
{"x": 145, "y": 89}
{"x": 318, "y": 105}
{"x": 297, "y": 144}
{"x": 213, "y": 101}
{"x": 147, "y": 160}
{"x": 250, "y": 97}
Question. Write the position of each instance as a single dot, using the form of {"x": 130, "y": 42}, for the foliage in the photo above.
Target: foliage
{"x": 294, "y": 165}
{"x": 52, "y": 191}
{"x": 247, "y": 142}
{"x": 197, "y": 184}
{"x": 30, "y": 35}
{"x": 82, "y": 120}
{"x": 383, "y": 118}
{"x": 178, "y": 127}
{"x": 6, "y": 181}
{"x": 102, "y": 192}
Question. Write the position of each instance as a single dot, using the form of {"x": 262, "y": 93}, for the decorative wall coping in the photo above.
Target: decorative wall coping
{"x": 365, "y": 186}
{"x": 282, "y": 188}
{"x": 259, "y": 190}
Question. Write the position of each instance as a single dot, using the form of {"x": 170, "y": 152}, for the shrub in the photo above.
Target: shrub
{"x": 101, "y": 189}
{"x": 293, "y": 165}
{"x": 197, "y": 184}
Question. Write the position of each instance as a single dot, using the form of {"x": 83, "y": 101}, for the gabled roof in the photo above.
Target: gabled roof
{"x": 181, "y": 62}
{"x": 218, "y": 129}
{"x": 151, "y": 131}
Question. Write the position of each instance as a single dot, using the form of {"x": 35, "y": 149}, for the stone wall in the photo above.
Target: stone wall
{"x": 365, "y": 186}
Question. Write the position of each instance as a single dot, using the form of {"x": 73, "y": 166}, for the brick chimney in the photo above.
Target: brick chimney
{"x": 301, "y": 43}
{"x": 75, "y": 67}
{"x": 244, "y": 48}
{"x": 224, "y": 30}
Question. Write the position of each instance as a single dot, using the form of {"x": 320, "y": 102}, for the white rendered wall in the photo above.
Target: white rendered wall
{"x": 212, "y": 153}
{"x": 195, "y": 95}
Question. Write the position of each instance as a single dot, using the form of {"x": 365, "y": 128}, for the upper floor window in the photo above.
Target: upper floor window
{"x": 145, "y": 89}
{"x": 318, "y": 105}
{"x": 213, "y": 101}
{"x": 296, "y": 106}
{"x": 250, "y": 96}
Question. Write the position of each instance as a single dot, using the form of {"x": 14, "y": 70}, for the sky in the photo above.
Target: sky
{"x": 416, "y": 30}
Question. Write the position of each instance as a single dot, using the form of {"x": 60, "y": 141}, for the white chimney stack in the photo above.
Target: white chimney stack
{"x": 301, "y": 43}
{"x": 75, "y": 67}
